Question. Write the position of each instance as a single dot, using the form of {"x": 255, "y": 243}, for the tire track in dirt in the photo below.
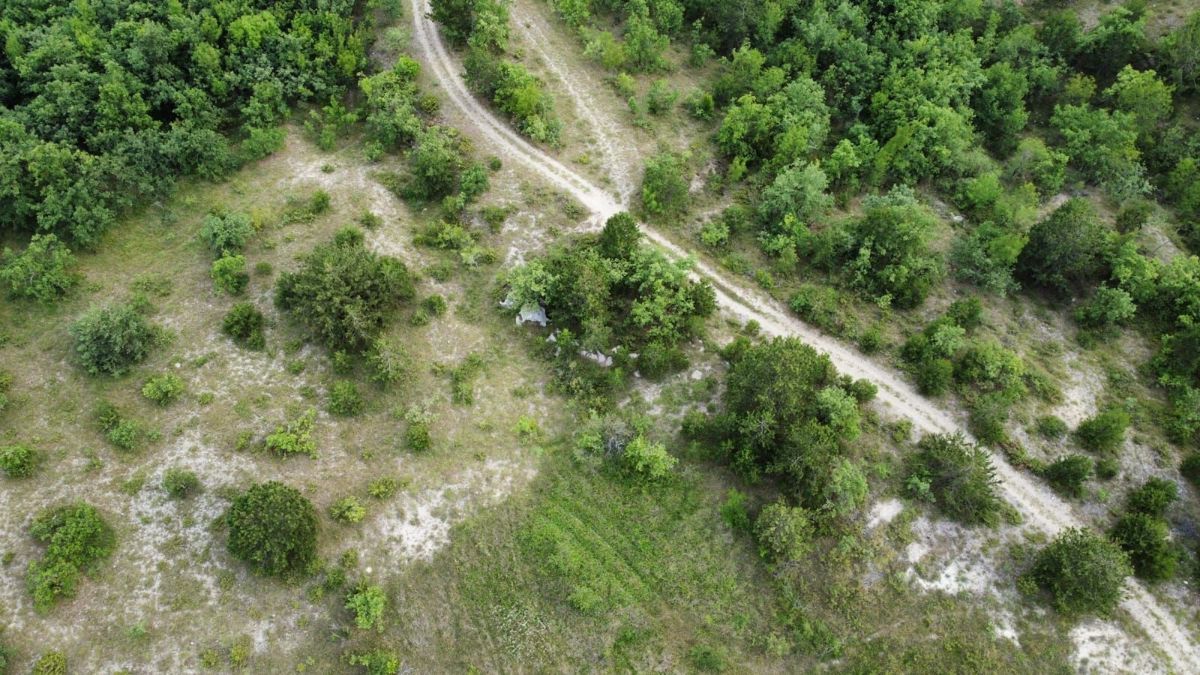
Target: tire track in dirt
{"x": 1041, "y": 508}
{"x": 619, "y": 157}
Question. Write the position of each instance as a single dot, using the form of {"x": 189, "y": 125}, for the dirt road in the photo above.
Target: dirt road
{"x": 1040, "y": 507}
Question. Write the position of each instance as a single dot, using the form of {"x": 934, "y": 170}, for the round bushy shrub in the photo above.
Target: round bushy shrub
{"x": 229, "y": 274}
{"x": 273, "y": 528}
{"x": 1068, "y": 474}
{"x": 226, "y": 233}
{"x": 958, "y": 476}
{"x": 77, "y": 538}
{"x": 348, "y": 510}
{"x": 41, "y": 272}
{"x": 180, "y": 483}
{"x": 51, "y": 663}
{"x": 784, "y": 532}
{"x": 18, "y": 461}
{"x": 345, "y": 400}
{"x": 1145, "y": 539}
{"x": 244, "y": 323}
{"x": 367, "y": 603}
{"x": 1103, "y": 432}
{"x": 648, "y": 462}
{"x": 111, "y": 339}
{"x": 163, "y": 389}
{"x": 1082, "y": 572}
{"x": 1153, "y": 498}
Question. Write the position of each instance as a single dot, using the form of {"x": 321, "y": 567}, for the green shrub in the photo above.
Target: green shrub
{"x": 124, "y": 433}
{"x": 294, "y": 437}
{"x": 41, "y": 272}
{"x": 1153, "y": 498}
{"x": 348, "y": 510}
{"x": 378, "y": 662}
{"x": 1082, "y": 572}
{"x": 1107, "y": 468}
{"x": 344, "y": 293}
{"x": 1145, "y": 538}
{"x": 163, "y": 389}
{"x": 229, "y": 274}
{"x": 383, "y": 488}
{"x": 647, "y": 462}
{"x": 112, "y": 339}
{"x": 273, "y": 528}
{"x": 1068, "y": 474}
{"x": 1190, "y": 468}
{"x": 244, "y": 323}
{"x": 389, "y": 363}
{"x": 180, "y": 483}
{"x": 77, "y": 538}
{"x": 345, "y": 400}
{"x": 417, "y": 436}
{"x": 958, "y": 476}
{"x": 664, "y": 185}
{"x": 1103, "y": 432}
{"x": 227, "y": 233}
{"x": 934, "y": 376}
{"x": 1051, "y": 427}
{"x": 5, "y": 385}
{"x": 18, "y": 461}
{"x": 50, "y": 663}
{"x": 367, "y": 603}
{"x": 734, "y": 511}
{"x": 784, "y": 533}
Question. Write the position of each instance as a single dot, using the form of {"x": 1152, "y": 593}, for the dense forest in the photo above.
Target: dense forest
{"x": 103, "y": 104}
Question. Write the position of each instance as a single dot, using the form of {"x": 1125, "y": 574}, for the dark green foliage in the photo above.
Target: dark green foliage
{"x": 1103, "y": 432}
{"x": 226, "y": 233}
{"x": 18, "y": 461}
{"x": 1190, "y": 468}
{"x": 1133, "y": 215}
{"x": 163, "y": 389}
{"x": 1146, "y": 539}
{"x": 1082, "y": 572}
{"x": 886, "y": 252}
{"x": 664, "y": 186}
{"x": 1066, "y": 251}
{"x": 180, "y": 483}
{"x": 273, "y": 528}
{"x": 1000, "y": 107}
{"x": 735, "y": 512}
{"x": 786, "y": 414}
{"x": 784, "y": 533}
{"x": 110, "y": 340}
{"x": 1153, "y": 498}
{"x": 1051, "y": 427}
{"x": 41, "y": 272}
{"x": 613, "y": 297}
{"x": 345, "y": 400}
{"x": 113, "y": 102}
{"x": 244, "y": 323}
{"x": 77, "y": 538}
{"x": 1068, "y": 474}
{"x": 344, "y": 293}
{"x": 958, "y": 477}
{"x": 229, "y": 274}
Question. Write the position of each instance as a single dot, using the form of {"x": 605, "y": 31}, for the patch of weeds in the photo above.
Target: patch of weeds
{"x": 294, "y": 437}
{"x": 348, "y": 510}
{"x": 123, "y": 433}
{"x": 385, "y": 488}
{"x": 417, "y": 436}
{"x": 462, "y": 379}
